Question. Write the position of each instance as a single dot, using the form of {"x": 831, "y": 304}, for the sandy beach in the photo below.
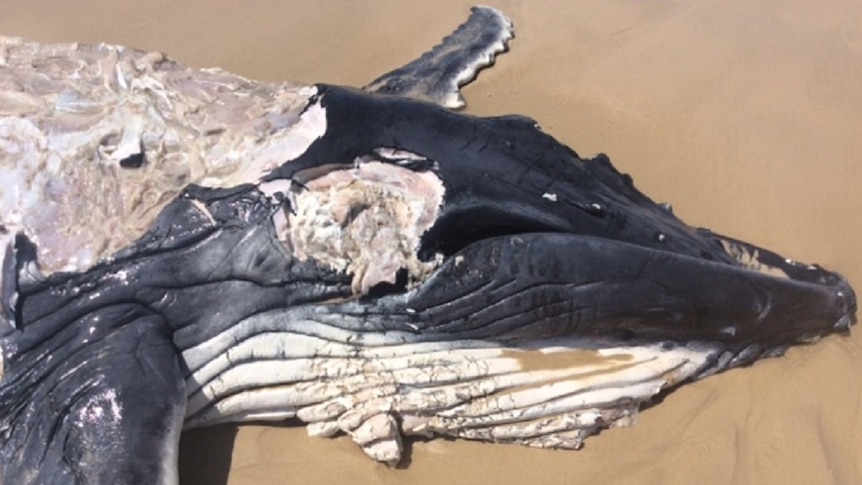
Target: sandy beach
{"x": 746, "y": 116}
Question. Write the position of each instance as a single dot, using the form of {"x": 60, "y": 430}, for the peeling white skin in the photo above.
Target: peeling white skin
{"x": 7, "y": 251}
{"x": 366, "y": 221}
{"x": 751, "y": 259}
{"x": 551, "y": 395}
{"x": 69, "y": 113}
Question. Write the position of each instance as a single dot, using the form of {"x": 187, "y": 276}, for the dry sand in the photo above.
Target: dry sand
{"x": 745, "y": 115}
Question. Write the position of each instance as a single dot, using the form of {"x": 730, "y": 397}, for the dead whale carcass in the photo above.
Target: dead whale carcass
{"x": 186, "y": 247}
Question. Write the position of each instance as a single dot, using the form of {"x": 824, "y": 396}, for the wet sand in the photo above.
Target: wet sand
{"x": 745, "y": 115}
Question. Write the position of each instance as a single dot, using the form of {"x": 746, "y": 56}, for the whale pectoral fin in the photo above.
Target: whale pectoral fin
{"x": 110, "y": 413}
{"x": 127, "y": 429}
{"x": 438, "y": 74}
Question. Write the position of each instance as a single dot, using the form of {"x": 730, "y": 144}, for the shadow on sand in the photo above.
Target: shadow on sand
{"x": 205, "y": 455}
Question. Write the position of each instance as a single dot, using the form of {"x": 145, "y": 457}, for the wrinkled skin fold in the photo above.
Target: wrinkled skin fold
{"x": 557, "y": 299}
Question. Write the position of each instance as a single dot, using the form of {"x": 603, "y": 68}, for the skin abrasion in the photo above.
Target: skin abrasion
{"x": 366, "y": 221}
